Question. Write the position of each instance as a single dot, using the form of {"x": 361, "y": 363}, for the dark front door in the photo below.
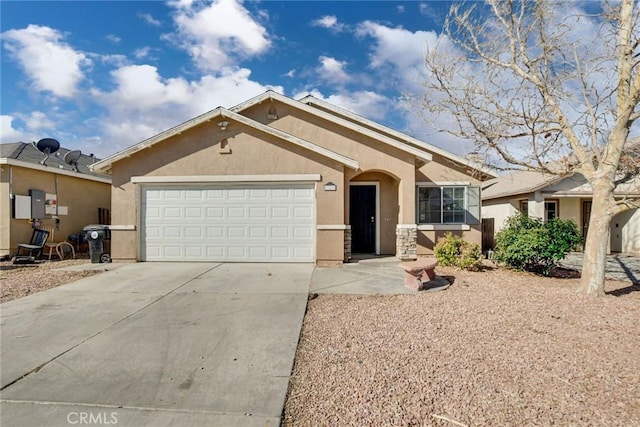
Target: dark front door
{"x": 362, "y": 217}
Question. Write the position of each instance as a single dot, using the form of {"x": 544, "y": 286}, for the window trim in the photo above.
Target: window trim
{"x": 444, "y": 225}
{"x": 521, "y": 205}
{"x": 556, "y": 202}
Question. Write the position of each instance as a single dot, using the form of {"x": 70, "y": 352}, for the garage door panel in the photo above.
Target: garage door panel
{"x": 216, "y": 223}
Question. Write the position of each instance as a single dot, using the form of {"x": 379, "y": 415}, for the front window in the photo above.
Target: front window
{"x": 442, "y": 205}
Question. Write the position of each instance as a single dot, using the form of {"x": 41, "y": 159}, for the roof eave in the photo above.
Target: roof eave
{"x": 310, "y": 99}
{"x": 418, "y": 153}
{"x": 50, "y": 169}
{"x": 105, "y": 165}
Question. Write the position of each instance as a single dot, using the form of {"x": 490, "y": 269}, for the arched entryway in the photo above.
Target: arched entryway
{"x": 372, "y": 212}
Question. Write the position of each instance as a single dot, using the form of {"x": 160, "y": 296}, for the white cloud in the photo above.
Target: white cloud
{"x": 142, "y": 53}
{"x": 50, "y": 63}
{"x": 149, "y": 19}
{"x": 7, "y": 132}
{"x": 400, "y": 9}
{"x": 291, "y": 73}
{"x": 113, "y": 38}
{"x": 365, "y": 103}
{"x": 38, "y": 121}
{"x": 219, "y": 34}
{"x": 332, "y": 70}
{"x": 329, "y": 22}
{"x": 397, "y": 47}
{"x": 144, "y": 103}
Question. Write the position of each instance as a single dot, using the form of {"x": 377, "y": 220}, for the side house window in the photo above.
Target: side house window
{"x": 448, "y": 205}
{"x": 550, "y": 209}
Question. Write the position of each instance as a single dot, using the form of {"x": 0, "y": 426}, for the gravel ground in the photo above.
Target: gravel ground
{"x": 19, "y": 280}
{"x": 497, "y": 348}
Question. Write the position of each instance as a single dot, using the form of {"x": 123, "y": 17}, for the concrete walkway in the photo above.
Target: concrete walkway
{"x": 376, "y": 275}
{"x": 155, "y": 344}
{"x": 619, "y": 266}
{"x": 383, "y": 276}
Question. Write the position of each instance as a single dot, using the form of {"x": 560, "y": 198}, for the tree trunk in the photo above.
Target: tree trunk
{"x": 597, "y": 242}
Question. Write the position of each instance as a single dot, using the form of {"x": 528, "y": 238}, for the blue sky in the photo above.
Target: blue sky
{"x": 101, "y": 76}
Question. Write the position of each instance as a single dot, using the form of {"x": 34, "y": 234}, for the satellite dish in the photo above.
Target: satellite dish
{"x": 71, "y": 158}
{"x": 47, "y": 146}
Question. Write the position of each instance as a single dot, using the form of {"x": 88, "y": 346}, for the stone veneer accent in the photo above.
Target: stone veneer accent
{"x": 407, "y": 241}
{"x": 347, "y": 244}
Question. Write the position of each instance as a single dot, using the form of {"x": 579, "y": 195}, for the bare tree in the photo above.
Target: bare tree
{"x": 546, "y": 86}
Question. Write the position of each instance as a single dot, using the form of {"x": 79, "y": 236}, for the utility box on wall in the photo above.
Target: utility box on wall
{"x": 21, "y": 207}
{"x": 37, "y": 203}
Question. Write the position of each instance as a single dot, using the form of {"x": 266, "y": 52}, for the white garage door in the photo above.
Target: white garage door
{"x": 256, "y": 223}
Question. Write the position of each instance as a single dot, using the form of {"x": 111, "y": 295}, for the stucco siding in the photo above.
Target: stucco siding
{"x": 427, "y": 239}
{"x": 5, "y": 212}
{"x": 198, "y": 153}
{"x": 570, "y": 208}
{"x": 499, "y": 210}
{"x": 629, "y": 222}
{"x": 81, "y": 197}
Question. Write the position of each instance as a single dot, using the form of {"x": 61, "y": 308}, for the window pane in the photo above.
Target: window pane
{"x": 453, "y": 206}
{"x": 550, "y": 210}
{"x": 429, "y": 202}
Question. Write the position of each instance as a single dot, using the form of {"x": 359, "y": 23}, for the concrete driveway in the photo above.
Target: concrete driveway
{"x": 158, "y": 344}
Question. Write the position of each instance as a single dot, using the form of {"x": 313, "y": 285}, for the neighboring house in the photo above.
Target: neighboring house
{"x": 553, "y": 196}
{"x": 63, "y": 199}
{"x": 280, "y": 180}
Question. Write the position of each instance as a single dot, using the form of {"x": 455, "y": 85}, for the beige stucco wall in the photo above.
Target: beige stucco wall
{"x": 197, "y": 152}
{"x": 570, "y": 208}
{"x": 499, "y": 210}
{"x": 629, "y": 231}
{"x": 82, "y": 197}
{"x": 5, "y": 212}
{"x": 442, "y": 170}
{"x": 372, "y": 155}
{"x": 427, "y": 239}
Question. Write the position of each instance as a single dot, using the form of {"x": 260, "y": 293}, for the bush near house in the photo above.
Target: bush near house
{"x": 454, "y": 251}
{"x": 529, "y": 244}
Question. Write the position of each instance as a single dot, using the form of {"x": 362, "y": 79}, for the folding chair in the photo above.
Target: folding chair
{"x": 36, "y": 244}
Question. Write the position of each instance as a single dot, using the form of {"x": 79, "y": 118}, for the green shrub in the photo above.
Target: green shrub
{"x": 530, "y": 244}
{"x": 454, "y": 251}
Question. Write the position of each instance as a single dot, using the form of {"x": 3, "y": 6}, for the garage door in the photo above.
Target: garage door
{"x": 256, "y": 223}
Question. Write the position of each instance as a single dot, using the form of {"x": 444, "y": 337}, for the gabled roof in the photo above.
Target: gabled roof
{"x": 26, "y": 155}
{"x": 525, "y": 182}
{"x": 521, "y": 182}
{"x": 222, "y": 113}
{"x": 402, "y": 137}
{"x": 420, "y": 153}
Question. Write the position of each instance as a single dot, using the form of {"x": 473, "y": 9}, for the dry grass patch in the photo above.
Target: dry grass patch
{"x": 496, "y": 348}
